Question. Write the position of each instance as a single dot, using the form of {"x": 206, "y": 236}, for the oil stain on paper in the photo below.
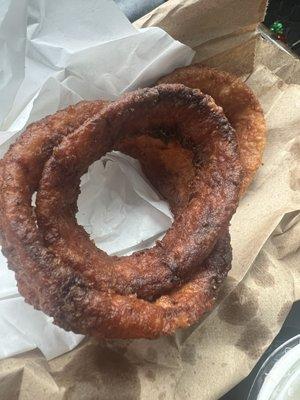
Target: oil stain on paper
{"x": 254, "y": 338}
{"x": 97, "y": 372}
{"x": 239, "y": 307}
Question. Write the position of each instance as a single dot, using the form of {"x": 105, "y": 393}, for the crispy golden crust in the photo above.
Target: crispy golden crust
{"x": 86, "y": 310}
{"x": 20, "y": 172}
{"x": 240, "y": 106}
{"x": 58, "y": 288}
{"x": 150, "y": 272}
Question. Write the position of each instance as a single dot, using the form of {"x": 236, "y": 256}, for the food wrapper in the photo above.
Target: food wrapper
{"x": 205, "y": 361}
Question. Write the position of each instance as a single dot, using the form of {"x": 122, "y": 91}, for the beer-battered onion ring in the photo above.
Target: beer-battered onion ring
{"x": 196, "y": 122}
{"x": 240, "y": 106}
{"x": 55, "y": 287}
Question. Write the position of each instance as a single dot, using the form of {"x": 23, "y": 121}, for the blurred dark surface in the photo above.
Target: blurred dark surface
{"x": 290, "y": 329}
{"x": 134, "y": 9}
{"x": 288, "y": 12}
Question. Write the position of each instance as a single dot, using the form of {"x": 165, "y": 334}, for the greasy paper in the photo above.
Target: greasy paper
{"x": 205, "y": 361}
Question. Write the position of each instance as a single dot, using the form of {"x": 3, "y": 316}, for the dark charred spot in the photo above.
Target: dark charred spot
{"x": 172, "y": 266}
{"x": 164, "y": 135}
{"x": 47, "y": 147}
{"x": 72, "y": 283}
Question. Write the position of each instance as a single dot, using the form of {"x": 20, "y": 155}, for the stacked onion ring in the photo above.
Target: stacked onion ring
{"x": 190, "y": 153}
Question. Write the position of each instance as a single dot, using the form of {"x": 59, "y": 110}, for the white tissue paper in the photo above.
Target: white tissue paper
{"x": 53, "y": 54}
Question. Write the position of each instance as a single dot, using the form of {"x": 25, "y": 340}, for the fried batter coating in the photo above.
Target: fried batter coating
{"x": 167, "y": 165}
{"x": 148, "y": 273}
{"x": 61, "y": 289}
{"x": 240, "y": 106}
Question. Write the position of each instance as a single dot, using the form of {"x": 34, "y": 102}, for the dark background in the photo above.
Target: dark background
{"x": 287, "y": 12}
{"x": 134, "y": 9}
{"x": 290, "y": 329}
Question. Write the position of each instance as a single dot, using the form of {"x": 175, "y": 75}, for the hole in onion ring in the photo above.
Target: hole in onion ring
{"x": 119, "y": 208}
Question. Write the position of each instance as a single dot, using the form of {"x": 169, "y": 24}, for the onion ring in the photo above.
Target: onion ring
{"x": 240, "y": 106}
{"x": 21, "y": 170}
{"x": 150, "y": 272}
{"x": 57, "y": 289}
